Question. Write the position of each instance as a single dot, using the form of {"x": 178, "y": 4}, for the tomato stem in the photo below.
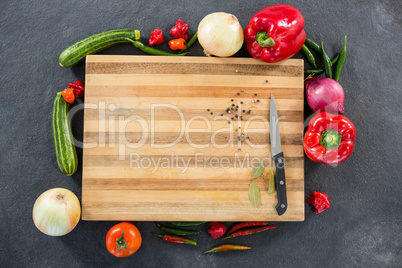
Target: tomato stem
{"x": 121, "y": 243}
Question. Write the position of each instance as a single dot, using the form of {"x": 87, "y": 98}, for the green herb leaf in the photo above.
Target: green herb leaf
{"x": 254, "y": 194}
{"x": 257, "y": 170}
{"x": 272, "y": 188}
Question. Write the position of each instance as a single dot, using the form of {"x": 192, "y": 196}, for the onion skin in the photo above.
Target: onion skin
{"x": 324, "y": 94}
{"x": 56, "y": 212}
{"x": 220, "y": 34}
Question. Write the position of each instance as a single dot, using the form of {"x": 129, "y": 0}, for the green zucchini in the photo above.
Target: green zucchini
{"x": 63, "y": 139}
{"x": 95, "y": 43}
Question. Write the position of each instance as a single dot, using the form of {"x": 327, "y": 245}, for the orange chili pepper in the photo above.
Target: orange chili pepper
{"x": 177, "y": 44}
{"x": 68, "y": 95}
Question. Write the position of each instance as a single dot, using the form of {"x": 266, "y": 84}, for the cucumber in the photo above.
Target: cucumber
{"x": 95, "y": 43}
{"x": 63, "y": 140}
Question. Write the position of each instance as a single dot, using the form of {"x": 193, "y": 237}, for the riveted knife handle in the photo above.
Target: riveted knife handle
{"x": 280, "y": 183}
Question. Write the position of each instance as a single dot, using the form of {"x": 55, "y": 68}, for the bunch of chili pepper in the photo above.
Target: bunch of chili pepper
{"x": 176, "y": 235}
{"x": 339, "y": 60}
{"x": 179, "y": 31}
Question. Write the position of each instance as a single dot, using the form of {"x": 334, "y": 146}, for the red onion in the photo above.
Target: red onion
{"x": 325, "y": 94}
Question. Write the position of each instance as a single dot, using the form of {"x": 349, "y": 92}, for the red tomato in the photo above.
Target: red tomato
{"x": 122, "y": 244}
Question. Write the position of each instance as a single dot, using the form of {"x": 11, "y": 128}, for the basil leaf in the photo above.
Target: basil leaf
{"x": 272, "y": 188}
{"x": 254, "y": 194}
{"x": 257, "y": 170}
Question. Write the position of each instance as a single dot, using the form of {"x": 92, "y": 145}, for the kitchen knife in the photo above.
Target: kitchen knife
{"x": 277, "y": 156}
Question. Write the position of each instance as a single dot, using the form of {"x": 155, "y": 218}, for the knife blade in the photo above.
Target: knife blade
{"x": 277, "y": 156}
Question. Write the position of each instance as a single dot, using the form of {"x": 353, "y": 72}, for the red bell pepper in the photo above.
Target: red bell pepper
{"x": 156, "y": 37}
{"x": 275, "y": 33}
{"x": 329, "y": 138}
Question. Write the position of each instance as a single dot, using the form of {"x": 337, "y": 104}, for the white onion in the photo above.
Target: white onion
{"x": 56, "y": 212}
{"x": 220, "y": 34}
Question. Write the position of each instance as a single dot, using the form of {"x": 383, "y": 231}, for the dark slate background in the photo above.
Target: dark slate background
{"x": 362, "y": 227}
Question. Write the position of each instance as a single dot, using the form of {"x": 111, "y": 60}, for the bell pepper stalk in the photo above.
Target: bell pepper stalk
{"x": 275, "y": 33}
{"x": 329, "y": 138}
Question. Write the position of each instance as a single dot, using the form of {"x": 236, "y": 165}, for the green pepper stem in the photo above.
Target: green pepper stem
{"x": 210, "y": 251}
{"x": 264, "y": 40}
{"x": 331, "y": 139}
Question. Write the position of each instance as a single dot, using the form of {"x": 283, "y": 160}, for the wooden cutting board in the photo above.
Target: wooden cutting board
{"x": 159, "y": 144}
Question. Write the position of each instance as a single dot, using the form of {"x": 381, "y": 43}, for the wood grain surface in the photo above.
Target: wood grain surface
{"x": 159, "y": 144}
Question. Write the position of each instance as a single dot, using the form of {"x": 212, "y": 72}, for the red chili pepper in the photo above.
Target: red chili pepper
{"x": 177, "y": 239}
{"x": 78, "y": 88}
{"x": 320, "y": 201}
{"x": 227, "y": 247}
{"x": 68, "y": 95}
{"x": 217, "y": 229}
{"x": 275, "y": 33}
{"x": 177, "y": 44}
{"x": 329, "y": 138}
{"x": 251, "y": 231}
{"x": 180, "y": 30}
{"x": 156, "y": 37}
{"x": 246, "y": 224}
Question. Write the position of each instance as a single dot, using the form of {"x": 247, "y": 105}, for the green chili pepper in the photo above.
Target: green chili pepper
{"x": 153, "y": 51}
{"x": 191, "y": 42}
{"x": 334, "y": 60}
{"x": 176, "y": 231}
{"x": 320, "y": 70}
{"x": 341, "y": 62}
{"x": 193, "y": 39}
{"x": 187, "y": 223}
{"x": 314, "y": 71}
{"x": 309, "y": 56}
{"x": 327, "y": 62}
{"x": 313, "y": 45}
{"x": 227, "y": 247}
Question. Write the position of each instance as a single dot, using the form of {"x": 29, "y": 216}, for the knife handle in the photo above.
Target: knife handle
{"x": 280, "y": 183}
